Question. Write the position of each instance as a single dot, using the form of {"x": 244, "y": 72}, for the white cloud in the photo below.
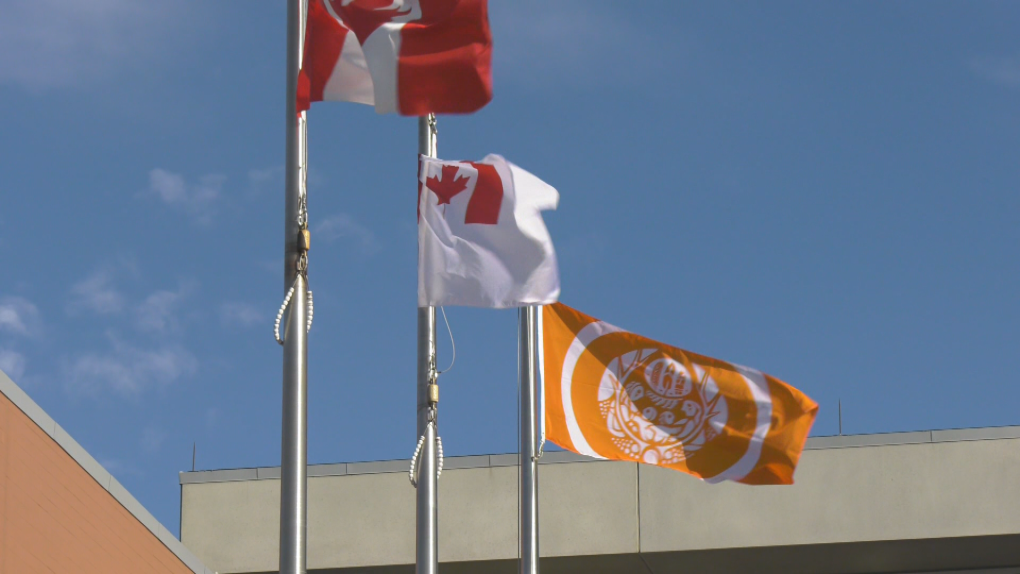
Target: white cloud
{"x": 12, "y": 364}
{"x": 55, "y": 43}
{"x": 240, "y": 314}
{"x": 96, "y": 293}
{"x": 130, "y": 367}
{"x": 1004, "y": 71}
{"x": 342, "y": 225}
{"x": 128, "y": 370}
{"x": 19, "y": 316}
{"x": 196, "y": 199}
{"x": 158, "y": 313}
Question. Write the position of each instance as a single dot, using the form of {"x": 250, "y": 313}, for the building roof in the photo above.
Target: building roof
{"x": 555, "y": 457}
{"x": 23, "y": 402}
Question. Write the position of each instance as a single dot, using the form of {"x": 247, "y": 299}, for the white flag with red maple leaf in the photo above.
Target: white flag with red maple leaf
{"x": 481, "y": 238}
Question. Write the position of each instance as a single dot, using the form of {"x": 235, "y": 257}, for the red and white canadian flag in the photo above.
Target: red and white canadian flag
{"x": 481, "y": 238}
{"x": 413, "y": 57}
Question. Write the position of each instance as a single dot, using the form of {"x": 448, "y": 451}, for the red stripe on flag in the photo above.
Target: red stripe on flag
{"x": 446, "y": 63}
{"x": 485, "y": 202}
{"x": 324, "y": 41}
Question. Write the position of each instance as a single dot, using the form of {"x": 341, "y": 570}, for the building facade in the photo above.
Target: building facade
{"x": 903, "y": 502}
{"x": 61, "y": 512}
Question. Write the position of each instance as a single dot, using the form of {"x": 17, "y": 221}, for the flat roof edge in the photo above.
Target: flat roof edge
{"x": 556, "y": 457}
{"x": 106, "y": 480}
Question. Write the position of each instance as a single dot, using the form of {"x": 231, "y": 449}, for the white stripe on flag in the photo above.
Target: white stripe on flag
{"x": 578, "y": 346}
{"x": 382, "y": 52}
{"x": 759, "y": 388}
{"x": 350, "y": 80}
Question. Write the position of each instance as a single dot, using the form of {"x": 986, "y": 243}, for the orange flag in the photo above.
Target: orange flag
{"x": 616, "y": 395}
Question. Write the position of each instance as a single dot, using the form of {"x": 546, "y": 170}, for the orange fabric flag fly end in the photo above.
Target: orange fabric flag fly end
{"x": 616, "y": 395}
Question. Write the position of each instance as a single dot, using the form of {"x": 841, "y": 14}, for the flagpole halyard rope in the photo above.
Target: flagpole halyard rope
{"x": 311, "y": 314}
{"x": 453, "y": 344}
{"x": 432, "y": 417}
{"x": 304, "y": 238}
{"x": 439, "y": 455}
{"x": 283, "y": 309}
{"x": 412, "y": 472}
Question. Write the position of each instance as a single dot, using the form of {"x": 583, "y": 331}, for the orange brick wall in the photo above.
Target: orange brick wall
{"x": 54, "y": 517}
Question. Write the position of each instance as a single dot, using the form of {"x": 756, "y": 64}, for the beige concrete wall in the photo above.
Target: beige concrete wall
{"x": 842, "y": 495}
{"x": 587, "y": 508}
{"x": 359, "y": 520}
{"x": 895, "y": 492}
{"x": 355, "y": 520}
{"x": 368, "y": 519}
{"x": 233, "y": 526}
{"x": 477, "y": 514}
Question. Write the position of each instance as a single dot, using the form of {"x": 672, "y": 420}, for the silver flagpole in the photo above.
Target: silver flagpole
{"x": 294, "y": 447}
{"x": 427, "y": 524}
{"x": 527, "y": 331}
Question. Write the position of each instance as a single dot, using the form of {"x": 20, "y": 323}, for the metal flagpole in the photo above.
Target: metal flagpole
{"x": 527, "y": 331}
{"x": 294, "y": 448}
{"x": 427, "y": 524}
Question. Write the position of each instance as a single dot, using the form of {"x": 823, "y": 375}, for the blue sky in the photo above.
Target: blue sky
{"x": 829, "y": 192}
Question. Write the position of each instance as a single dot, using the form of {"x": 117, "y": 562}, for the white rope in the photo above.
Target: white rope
{"x": 311, "y": 311}
{"x": 414, "y": 462}
{"x": 279, "y": 314}
{"x": 439, "y": 455}
{"x": 412, "y": 473}
{"x": 453, "y": 344}
{"x": 283, "y": 309}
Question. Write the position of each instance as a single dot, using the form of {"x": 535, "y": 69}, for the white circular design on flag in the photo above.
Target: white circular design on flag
{"x": 656, "y": 410}
{"x": 658, "y": 439}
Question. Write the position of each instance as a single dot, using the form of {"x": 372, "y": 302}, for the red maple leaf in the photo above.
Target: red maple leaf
{"x": 364, "y": 17}
{"x": 447, "y": 188}
{"x": 373, "y": 4}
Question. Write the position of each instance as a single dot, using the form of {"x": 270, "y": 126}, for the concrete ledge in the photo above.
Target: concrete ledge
{"x": 868, "y": 440}
{"x": 498, "y": 460}
{"x": 272, "y": 472}
{"x": 989, "y": 433}
{"x": 943, "y": 556}
{"x": 339, "y": 469}
{"x": 475, "y": 461}
{"x": 560, "y": 456}
{"x": 379, "y": 467}
{"x": 966, "y": 555}
{"x": 227, "y": 475}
